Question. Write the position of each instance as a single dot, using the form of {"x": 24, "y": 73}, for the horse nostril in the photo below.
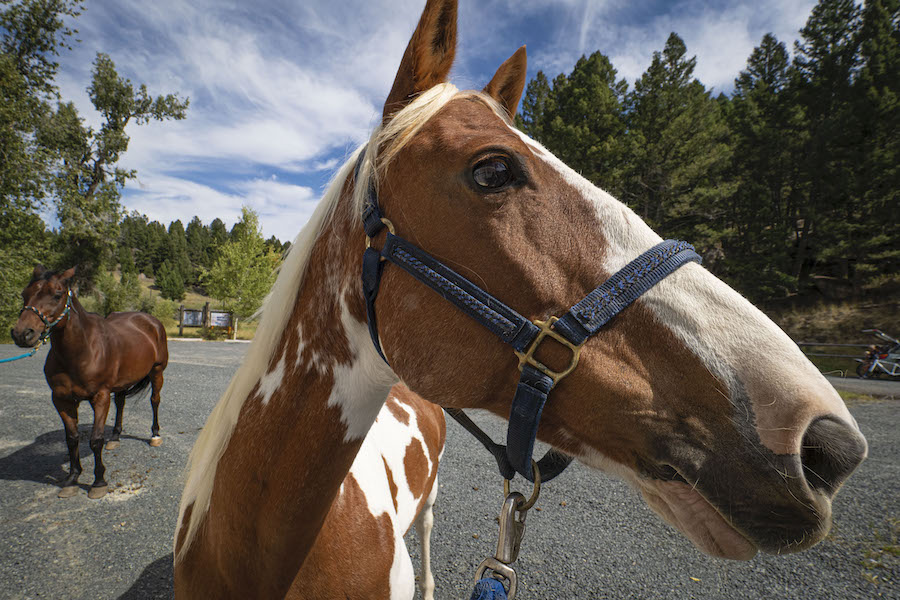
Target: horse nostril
{"x": 831, "y": 451}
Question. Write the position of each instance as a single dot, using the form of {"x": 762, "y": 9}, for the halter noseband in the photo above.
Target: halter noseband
{"x": 571, "y": 330}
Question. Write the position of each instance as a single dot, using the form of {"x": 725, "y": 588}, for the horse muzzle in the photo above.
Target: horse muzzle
{"x": 26, "y": 338}
{"x": 731, "y": 506}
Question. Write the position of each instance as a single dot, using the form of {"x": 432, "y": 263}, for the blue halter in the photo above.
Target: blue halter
{"x": 571, "y": 330}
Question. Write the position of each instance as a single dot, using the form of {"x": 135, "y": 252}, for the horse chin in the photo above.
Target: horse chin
{"x": 689, "y": 512}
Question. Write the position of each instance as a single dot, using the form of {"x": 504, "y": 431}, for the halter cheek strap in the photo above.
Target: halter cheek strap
{"x": 571, "y": 330}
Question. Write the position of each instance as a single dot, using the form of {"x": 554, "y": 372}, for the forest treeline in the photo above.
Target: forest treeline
{"x": 788, "y": 185}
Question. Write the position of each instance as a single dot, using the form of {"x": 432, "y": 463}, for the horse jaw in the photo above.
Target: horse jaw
{"x": 681, "y": 506}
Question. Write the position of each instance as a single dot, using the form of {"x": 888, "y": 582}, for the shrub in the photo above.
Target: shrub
{"x": 117, "y": 295}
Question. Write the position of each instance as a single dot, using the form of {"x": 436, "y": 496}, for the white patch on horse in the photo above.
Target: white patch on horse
{"x": 301, "y": 345}
{"x": 387, "y": 442}
{"x": 359, "y": 388}
{"x": 271, "y": 381}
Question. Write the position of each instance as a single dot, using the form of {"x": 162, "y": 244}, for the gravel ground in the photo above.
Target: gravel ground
{"x": 589, "y": 537}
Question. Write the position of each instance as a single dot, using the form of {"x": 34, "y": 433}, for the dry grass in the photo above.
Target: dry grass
{"x": 839, "y": 323}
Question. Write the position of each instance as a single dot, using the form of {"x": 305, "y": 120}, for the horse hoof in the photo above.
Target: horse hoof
{"x": 156, "y": 441}
{"x": 112, "y": 444}
{"x": 68, "y": 491}
{"x": 95, "y": 493}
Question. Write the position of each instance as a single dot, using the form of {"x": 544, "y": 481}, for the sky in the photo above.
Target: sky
{"x": 282, "y": 91}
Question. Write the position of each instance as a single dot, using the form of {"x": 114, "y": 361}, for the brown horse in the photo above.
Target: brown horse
{"x": 90, "y": 358}
{"x": 690, "y": 393}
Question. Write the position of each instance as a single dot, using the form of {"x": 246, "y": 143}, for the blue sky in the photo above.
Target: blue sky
{"x": 282, "y": 90}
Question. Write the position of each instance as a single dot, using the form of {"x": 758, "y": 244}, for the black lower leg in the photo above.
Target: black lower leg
{"x": 99, "y": 468}
{"x": 74, "y": 461}
{"x": 154, "y": 429}
{"x": 120, "y": 410}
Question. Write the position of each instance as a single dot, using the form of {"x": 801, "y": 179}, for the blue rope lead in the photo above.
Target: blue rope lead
{"x": 26, "y": 355}
{"x": 488, "y": 589}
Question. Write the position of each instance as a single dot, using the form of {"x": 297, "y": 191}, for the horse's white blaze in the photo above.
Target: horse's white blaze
{"x": 742, "y": 347}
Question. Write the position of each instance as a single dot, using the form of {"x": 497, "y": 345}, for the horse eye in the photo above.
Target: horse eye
{"x": 57, "y": 295}
{"x": 492, "y": 173}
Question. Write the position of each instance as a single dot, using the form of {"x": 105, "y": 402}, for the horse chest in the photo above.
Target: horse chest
{"x": 80, "y": 380}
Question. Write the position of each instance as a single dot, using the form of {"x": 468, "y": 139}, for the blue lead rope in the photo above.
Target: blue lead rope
{"x": 488, "y": 589}
{"x": 26, "y": 355}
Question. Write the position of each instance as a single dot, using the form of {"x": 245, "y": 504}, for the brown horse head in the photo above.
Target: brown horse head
{"x": 691, "y": 393}
{"x": 44, "y": 302}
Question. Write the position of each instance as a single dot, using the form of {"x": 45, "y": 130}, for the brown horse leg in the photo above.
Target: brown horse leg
{"x": 100, "y": 403}
{"x": 113, "y": 443}
{"x": 68, "y": 412}
{"x": 156, "y": 381}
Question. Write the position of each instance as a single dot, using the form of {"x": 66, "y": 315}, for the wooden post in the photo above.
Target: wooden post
{"x": 181, "y": 321}
{"x": 234, "y": 321}
{"x": 205, "y": 318}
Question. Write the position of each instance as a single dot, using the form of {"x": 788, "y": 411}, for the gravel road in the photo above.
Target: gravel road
{"x": 589, "y": 537}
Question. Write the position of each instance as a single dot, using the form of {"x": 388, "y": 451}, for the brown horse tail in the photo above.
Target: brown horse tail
{"x": 138, "y": 387}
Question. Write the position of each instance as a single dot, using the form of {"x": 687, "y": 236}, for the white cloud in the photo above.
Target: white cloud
{"x": 722, "y": 35}
{"x": 283, "y": 208}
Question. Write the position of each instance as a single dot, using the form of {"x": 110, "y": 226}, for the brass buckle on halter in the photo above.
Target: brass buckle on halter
{"x": 387, "y": 224}
{"x": 528, "y": 356}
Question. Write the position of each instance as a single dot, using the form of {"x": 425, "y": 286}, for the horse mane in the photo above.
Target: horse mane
{"x": 278, "y": 305}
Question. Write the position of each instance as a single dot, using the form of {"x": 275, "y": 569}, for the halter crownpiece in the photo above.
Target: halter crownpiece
{"x": 571, "y": 330}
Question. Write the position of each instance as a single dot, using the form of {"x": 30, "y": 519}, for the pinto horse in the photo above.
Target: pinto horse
{"x": 90, "y": 358}
{"x": 690, "y": 393}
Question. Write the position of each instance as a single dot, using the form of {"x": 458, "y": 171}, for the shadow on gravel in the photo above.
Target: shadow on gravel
{"x": 46, "y": 459}
{"x": 155, "y": 582}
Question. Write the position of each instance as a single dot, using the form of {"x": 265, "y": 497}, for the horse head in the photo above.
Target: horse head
{"x": 691, "y": 393}
{"x": 45, "y": 303}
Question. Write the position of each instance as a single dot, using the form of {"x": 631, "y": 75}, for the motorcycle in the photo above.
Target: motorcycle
{"x": 883, "y": 359}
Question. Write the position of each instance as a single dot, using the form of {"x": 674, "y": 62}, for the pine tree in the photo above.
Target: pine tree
{"x": 580, "y": 119}
{"x": 170, "y": 282}
{"x": 178, "y": 251}
{"x": 535, "y": 111}
{"x": 876, "y": 96}
{"x": 679, "y": 150}
{"x": 218, "y": 235}
{"x": 766, "y": 132}
{"x": 197, "y": 236}
{"x": 825, "y": 62}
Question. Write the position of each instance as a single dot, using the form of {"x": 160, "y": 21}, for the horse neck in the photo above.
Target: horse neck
{"x": 69, "y": 334}
{"x": 297, "y": 432}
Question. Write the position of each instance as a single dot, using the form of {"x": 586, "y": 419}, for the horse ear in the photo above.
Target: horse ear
{"x": 428, "y": 56}
{"x": 67, "y": 276}
{"x": 508, "y": 82}
{"x": 38, "y": 271}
